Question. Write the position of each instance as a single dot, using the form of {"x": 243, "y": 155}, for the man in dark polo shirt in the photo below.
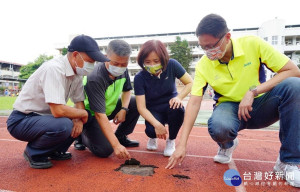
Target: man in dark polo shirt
{"x": 103, "y": 87}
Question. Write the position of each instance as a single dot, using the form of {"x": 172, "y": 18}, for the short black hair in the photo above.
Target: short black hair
{"x": 212, "y": 24}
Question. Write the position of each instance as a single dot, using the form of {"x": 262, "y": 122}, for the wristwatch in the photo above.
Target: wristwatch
{"x": 126, "y": 109}
{"x": 253, "y": 89}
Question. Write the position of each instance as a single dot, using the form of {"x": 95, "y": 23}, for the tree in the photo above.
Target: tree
{"x": 64, "y": 51}
{"x": 181, "y": 51}
{"x": 30, "y": 68}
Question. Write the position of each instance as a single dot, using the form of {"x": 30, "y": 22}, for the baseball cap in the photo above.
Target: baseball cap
{"x": 84, "y": 43}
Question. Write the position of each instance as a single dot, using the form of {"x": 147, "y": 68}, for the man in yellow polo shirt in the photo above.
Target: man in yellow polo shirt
{"x": 234, "y": 68}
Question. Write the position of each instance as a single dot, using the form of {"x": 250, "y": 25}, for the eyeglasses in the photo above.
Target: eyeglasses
{"x": 211, "y": 47}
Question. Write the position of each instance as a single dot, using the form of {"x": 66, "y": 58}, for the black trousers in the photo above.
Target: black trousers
{"x": 165, "y": 114}
{"x": 93, "y": 137}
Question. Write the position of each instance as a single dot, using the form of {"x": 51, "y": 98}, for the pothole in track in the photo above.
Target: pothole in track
{"x": 133, "y": 167}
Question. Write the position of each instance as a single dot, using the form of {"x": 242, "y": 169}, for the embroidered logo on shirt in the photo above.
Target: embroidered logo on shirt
{"x": 246, "y": 64}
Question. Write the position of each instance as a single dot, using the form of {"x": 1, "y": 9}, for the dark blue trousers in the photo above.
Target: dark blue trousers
{"x": 164, "y": 114}
{"x": 44, "y": 133}
{"x": 281, "y": 103}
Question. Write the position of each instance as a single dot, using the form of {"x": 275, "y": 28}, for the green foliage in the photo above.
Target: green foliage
{"x": 181, "y": 51}
{"x": 299, "y": 66}
{"x": 30, "y": 68}
{"x": 2, "y": 90}
{"x": 64, "y": 51}
{"x": 20, "y": 85}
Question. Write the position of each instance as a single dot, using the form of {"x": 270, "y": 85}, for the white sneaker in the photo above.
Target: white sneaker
{"x": 290, "y": 172}
{"x": 224, "y": 155}
{"x": 170, "y": 148}
{"x": 152, "y": 144}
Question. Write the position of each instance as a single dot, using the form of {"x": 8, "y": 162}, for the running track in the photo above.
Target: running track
{"x": 257, "y": 151}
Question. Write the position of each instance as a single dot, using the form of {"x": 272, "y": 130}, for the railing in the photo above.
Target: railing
{"x": 292, "y": 47}
{"x": 11, "y": 78}
{"x": 9, "y": 73}
{"x": 289, "y": 43}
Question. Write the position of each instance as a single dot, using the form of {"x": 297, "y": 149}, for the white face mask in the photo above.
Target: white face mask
{"x": 86, "y": 69}
{"x": 116, "y": 71}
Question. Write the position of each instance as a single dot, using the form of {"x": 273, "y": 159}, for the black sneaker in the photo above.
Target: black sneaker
{"x": 79, "y": 145}
{"x": 38, "y": 162}
{"x": 127, "y": 142}
{"x": 60, "y": 155}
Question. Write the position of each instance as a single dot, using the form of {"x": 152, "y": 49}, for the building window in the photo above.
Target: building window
{"x": 297, "y": 41}
{"x": 274, "y": 40}
{"x": 134, "y": 72}
{"x": 133, "y": 60}
{"x": 266, "y": 39}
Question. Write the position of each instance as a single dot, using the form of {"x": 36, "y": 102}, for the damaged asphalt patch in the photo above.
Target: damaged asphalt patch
{"x": 181, "y": 176}
{"x": 133, "y": 167}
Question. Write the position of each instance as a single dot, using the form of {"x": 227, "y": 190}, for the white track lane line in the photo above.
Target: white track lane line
{"x": 263, "y": 129}
{"x": 274, "y": 141}
{"x": 13, "y": 140}
{"x": 153, "y": 152}
{"x": 241, "y": 139}
{"x": 201, "y": 156}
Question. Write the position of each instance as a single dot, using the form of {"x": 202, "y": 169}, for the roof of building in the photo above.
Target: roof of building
{"x": 180, "y": 33}
{"x": 7, "y": 62}
{"x": 145, "y": 35}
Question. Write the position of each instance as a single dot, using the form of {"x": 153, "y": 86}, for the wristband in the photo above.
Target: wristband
{"x": 253, "y": 89}
{"x": 126, "y": 109}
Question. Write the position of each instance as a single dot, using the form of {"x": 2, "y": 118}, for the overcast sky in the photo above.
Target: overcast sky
{"x": 33, "y": 27}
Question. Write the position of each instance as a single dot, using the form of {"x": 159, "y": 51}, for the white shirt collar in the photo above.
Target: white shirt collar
{"x": 69, "y": 69}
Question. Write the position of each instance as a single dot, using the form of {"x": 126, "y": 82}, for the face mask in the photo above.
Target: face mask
{"x": 116, "y": 71}
{"x": 153, "y": 69}
{"x": 86, "y": 69}
{"x": 215, "y": 53}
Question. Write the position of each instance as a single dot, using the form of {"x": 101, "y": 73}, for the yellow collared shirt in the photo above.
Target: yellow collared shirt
{"x": 231, "y": 81}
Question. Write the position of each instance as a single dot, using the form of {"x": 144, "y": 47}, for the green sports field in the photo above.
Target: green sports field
{"x": 6, "y": 103}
